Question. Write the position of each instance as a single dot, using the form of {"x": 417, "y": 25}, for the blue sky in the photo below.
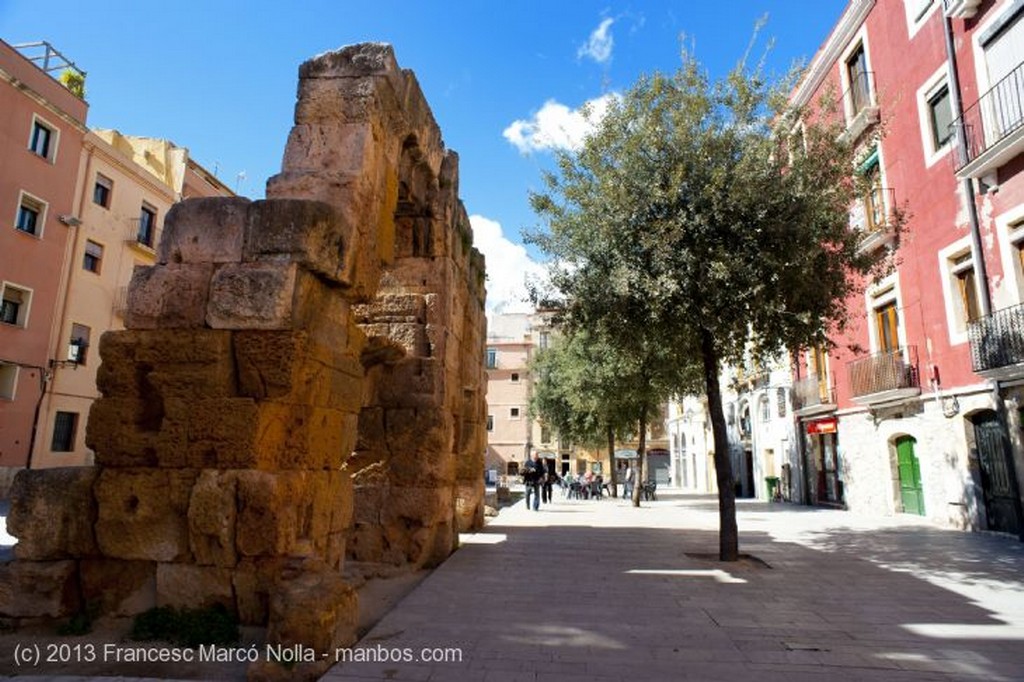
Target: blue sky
{"x": 503, "y": 79}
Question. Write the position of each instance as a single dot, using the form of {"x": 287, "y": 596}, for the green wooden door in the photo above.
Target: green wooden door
{"x": 911, "y": 494}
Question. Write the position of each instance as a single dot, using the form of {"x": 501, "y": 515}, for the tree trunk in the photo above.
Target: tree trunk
{"x": 641, "y": 460}
{"x": 728, "y": 534}
{"x": 613, "y": 475}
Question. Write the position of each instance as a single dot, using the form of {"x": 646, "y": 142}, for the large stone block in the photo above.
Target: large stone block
{"x": 310, "y": 233}
{"x": 180, "y": 362}
{"x": 134, "y": 432}
{"x": 312, "y": 605}
{"x": 184, "y": 586}
{"x": 143, "y": 513}
{"x": 52, "y": 513}
{"x": 118, "y": 588}
{"x": 393, "y": 307}
{"x": 253, "y": 296}
{"x": 347, "y": 147}
{"x": 168, "y": 296}
{"x": 204, "y": 230}
{"x": 212, "y": 515}
{"x": 288, "y": 366}
{"x": 253, "y": 581}
{"x": 33, "y": 589}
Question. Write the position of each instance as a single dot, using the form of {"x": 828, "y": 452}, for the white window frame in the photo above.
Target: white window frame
{"x": 26, "y": 306}
{"x": 929, "y": 88}
{"x": 13, "y": 392}
{"x": 51, "y": 155}
{"x": 886, "y": 291}
{"x": 43, "y": 210}
{"x": 956, "y": 317}
{"x": 917, "y": 17}
{"x": 858, "y": 40}
{"x": 1010, "y": 233}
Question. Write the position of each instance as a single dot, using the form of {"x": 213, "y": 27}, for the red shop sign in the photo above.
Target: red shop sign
{"x": 822, "y": 426}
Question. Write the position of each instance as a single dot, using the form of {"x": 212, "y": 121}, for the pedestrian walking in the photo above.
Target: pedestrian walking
{"x": 548, "y": 480}
{"x": 627, "y": 488}
{"x": 533, "y": 471}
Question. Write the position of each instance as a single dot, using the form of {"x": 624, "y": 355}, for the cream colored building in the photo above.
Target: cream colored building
{"x": 126, "y": 187}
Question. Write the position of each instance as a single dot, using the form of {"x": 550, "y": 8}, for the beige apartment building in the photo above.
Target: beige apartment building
{"x": 127, "y": 186}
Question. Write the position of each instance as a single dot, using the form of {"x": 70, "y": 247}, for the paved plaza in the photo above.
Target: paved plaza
{"x": 599, "y": 590}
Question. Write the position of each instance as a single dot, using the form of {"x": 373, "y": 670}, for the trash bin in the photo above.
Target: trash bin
{"x": 772, "y": 482}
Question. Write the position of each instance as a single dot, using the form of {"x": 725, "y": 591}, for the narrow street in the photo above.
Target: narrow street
{"x": 598, "y": 590}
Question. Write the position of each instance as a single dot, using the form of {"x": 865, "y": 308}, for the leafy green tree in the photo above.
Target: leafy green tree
{"x": 693, "y": 218}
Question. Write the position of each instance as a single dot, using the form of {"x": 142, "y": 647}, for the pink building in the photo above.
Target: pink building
{"x": 917, "y": 408}
{"x": 41, "y": 133}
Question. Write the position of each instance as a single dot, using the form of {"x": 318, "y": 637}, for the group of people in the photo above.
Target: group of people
{"x": 539, "y": 477}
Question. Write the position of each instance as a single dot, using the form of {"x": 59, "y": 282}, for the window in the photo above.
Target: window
{"x": 766, "y": 413}
{"x": 780, "y": 400}
{"x": 492, "y": 358}
{"x": 42, "y": 140}
{"x": 147, "y": 226}
{"x": 545, "y": 340}
{"x": 1003, "y": 45}
{"x": 78, "y": 346}
{"x": 93, "y": 257}
{"x": 65, "y": 424}
{"x": 514, "y": 413}
{"x": 8, "y": 380}
{"x": 102, "y": 191}
{"x": 819, "y": 366}
{"x": 887, "y": 327}
{"x": 14, "y": 305}
{"x": 874, "y": 196}
{"x": 545, "y": 434}
{"x": 515, "y": 377}
{"x": 31, "y": 214}
{"x": 490, "y": 422}
{"x": 857, "y": 70}
{"x": 962, "y": 268}
{"x": 940, "y": 116}
{"x": 917, "y": 12}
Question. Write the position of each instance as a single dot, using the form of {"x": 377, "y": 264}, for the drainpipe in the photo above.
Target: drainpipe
{"x": 977, "y": 256}
{"x": 968, "y": 186}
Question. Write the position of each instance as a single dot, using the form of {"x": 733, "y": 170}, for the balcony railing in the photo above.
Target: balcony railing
{"x": 886, "y": 376}
{"x": 873, "y": 216}
{"x": 997, "y": 343}
{"x": 993, "y": 127}
{"x": 812, "y": 395}
{"x": 142, "y": 234}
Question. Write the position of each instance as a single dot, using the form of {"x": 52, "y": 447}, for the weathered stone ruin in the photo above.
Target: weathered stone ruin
{"x": 300, "y": 379}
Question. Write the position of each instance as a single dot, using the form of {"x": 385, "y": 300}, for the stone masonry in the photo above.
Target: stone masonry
{"x": 301, "y": 378}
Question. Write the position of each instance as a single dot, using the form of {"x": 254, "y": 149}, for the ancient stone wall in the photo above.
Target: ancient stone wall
{"x": 274, "y": 339}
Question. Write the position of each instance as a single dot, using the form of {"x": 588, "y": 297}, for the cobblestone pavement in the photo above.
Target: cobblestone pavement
{"x": 599, "y": 590}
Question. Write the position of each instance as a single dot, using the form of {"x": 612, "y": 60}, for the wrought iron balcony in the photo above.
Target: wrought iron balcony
{"x": 862, "y": 110}
{"x": 142, "y": 234}
{"x": 885, "y": 377}
{"x": 997, "y": 344}
{"x": 993, "y": 128}
{"x": 812, "y": 395}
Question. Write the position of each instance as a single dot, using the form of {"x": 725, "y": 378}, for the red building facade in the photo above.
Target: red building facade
{"x": 916, "y": 409}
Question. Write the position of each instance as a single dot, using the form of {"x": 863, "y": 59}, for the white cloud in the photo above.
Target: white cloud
{"x": 556, "y": 126}
{"x": 599, "y": 46}
{"x": 509, "y": 267}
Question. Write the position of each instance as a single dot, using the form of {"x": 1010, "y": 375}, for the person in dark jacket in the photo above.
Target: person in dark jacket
{"x": 548, "y": 480}
{"x": 533, "y": 476}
